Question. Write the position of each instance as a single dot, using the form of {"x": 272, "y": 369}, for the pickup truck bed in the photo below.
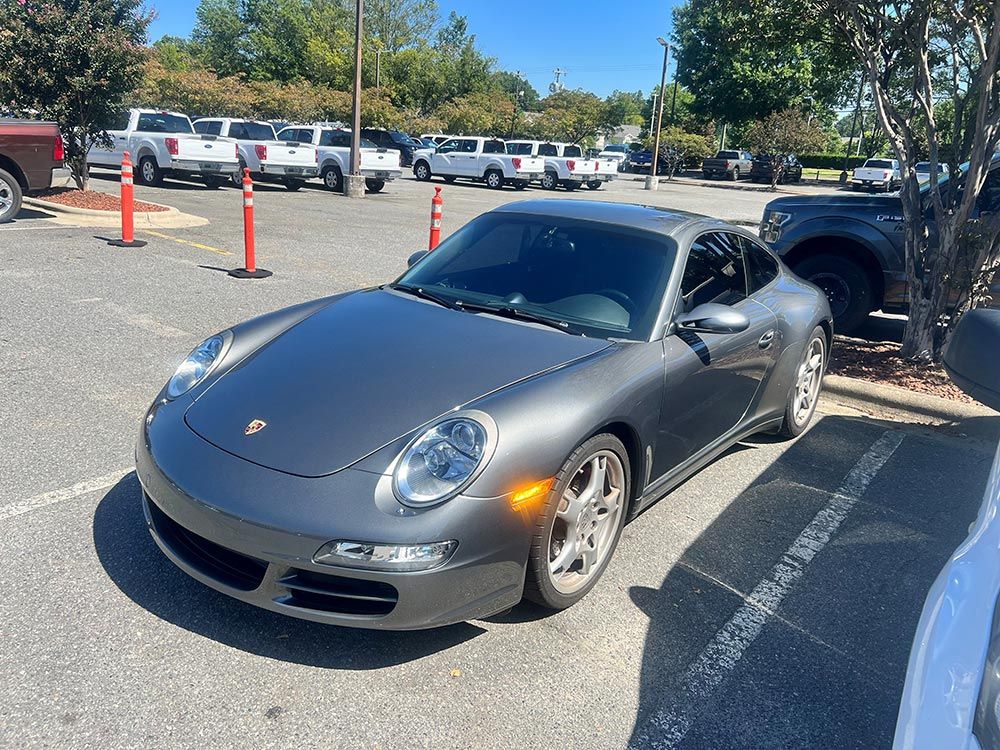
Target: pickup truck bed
{"x": 31, "y": 158}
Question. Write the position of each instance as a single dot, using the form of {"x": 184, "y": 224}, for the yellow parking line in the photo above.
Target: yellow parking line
{"x": 178, "y": 240}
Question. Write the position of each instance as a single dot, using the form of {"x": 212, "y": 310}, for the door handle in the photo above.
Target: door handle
{"x": 766, "y": 340}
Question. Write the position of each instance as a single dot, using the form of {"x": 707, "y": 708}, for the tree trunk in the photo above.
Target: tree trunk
{"x": 919, "y": 335}
{"x": 78, "y": 167}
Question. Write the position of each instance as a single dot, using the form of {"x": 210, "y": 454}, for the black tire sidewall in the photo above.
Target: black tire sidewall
{"x": 862, "y": 295}
{"x": 16, "y": 194}
{"x": 553, "y": 181}
{"x": 157, "y": 174}
{"x": 499, "y": 176}
{"x": 537, "y": 585}
{"x": 339, "y": 187}
{"x": 426, "y": 166}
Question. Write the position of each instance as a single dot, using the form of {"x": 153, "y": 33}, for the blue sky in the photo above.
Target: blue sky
{"x": 602, "y": 46}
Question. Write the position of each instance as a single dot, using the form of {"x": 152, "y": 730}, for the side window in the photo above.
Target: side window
{"x": 548, "y": 149}
{"x": 989, "y": 197}
{"x": 761, "y": 266}
{"x": 238, "y": 131}
{"x": 288, "y": 134}
{"x": 573, "y": 151}
{"x": 494, "y": 147}
{"x": 448, "y": 146}
{"x": 120, "y": 122}
{"x": 200, "y": 126}
{"x": 714, "y": 271}
{"x": 467, "y": 146}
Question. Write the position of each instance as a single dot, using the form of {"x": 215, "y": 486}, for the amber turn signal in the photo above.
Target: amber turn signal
{"x": 522, "y": 497}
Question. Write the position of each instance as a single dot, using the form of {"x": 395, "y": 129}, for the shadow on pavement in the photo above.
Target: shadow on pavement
{"x": 135, "y": 564}
{"x": 881, "y": 328}
{"x": 29, "y": 212}
{"x": 826, "y": 670}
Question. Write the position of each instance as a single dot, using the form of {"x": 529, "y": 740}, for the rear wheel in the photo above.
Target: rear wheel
{"x": 805, "y": 390}
{"x": 214, "y": 182}
{"x": 570, "y": 185}
{"x": 594, "y": 184}
{"x": 422, "y": 171}
{"x": 520, "y": 184}
{"x": 735, "y": 174}
{"x": 374, "y": 185}
{"x": 846, "y": 286}
{"x": 149, "y": 172}
{"x": 550, "y": 181}
{"x": 236, "y": 178}
{"x": 449, "y": 178}
{"x": 333, "y": 179}
{"x": 10, "y": 197}
{"x": 579, "y": 525}
{"x": 294, "y": 184}
{"x": 494, "y": 179}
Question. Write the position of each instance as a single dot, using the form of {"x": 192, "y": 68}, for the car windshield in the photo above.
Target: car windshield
{"x": 602, "y": 280}
{"x": 878, "y": 164}
{"x": 162, "y": 122}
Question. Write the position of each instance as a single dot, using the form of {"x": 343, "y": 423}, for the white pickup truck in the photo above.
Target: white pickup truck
{"x": 378, "y": 165}
{"x": 565, "y": 163}
{"x": 164, "y": 144}
{"x": 877, "y": 173}
{"x": 480, "y": 159}
{"x": 262, "y": 153}
{"x": 604, "y": 170}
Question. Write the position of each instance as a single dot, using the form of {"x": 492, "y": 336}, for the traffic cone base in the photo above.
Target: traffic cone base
{"x": 257, "y": 273}
{"x": 123, "y": 243}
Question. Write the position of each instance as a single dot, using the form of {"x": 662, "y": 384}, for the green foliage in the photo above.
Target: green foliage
{"x": 830, "y": 160}
{"x": 573, "y": 115}
{"x": 220, "y": 33}
{"x": 77, "y": 63}
{"x": 680, "y": 148}
{"x": 505, "y": 82}
{"x": 478, "y": 114}
{"x": 782, "y": 133}
{"x": 396, "y": 24}
{"x": 625, "y": 107}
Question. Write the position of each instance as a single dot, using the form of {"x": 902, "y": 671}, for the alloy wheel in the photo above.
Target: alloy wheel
{"x": 808, "y": 381}
{"x": 148, "y": 171}
{"x": 331, "y": 178}
{"x": 6, "y": 196}
{"x": 587, "y": 516}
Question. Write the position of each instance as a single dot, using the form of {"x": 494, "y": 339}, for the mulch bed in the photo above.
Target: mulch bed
{"x": 879, "y": 362}
{"x": 91, "y": 199}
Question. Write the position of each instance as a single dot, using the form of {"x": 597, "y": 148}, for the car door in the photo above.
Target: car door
{"x": 443, "y": 161}
{"x": 711, "y": 379}
{"x": 113, "y": 155}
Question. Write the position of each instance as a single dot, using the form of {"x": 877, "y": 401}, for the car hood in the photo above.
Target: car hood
{"x": 365, "y": 371}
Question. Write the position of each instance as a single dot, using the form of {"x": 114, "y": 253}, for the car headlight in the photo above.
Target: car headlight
{"x": 770, "y": 226}
{"x": 441, "y": 462}
{"x": 198, "y": 364}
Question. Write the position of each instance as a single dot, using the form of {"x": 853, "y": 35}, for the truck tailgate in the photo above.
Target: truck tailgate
{"x": 528, "y": 164}
{"x": 607, "y": 166}
{"x": 206, "y": 149}
{"x": 291, "y": 154}
{"x": 379, "y": 160}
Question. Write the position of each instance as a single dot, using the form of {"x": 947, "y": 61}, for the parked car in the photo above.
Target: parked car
{"x": 731, "y": 164}
{"x": 762, "y": 169}
{"x": 31, "y": 158}
{"x": 431, "y": 450}
{"x": 852, "y": 248}
{"x": 481, "y": 159}
{"x": 394, "y": 140}
{"x": 333, "y": 146}
{"x": 952, "y": 690}
{"x": 438, "y": 138}
{"x": 616, "y": 152}
{"x": 262, "y": 153}
{"x": 426, "y": 142}
{"x": 923, "y": 170}
{"x": 641, "y": 161}
{"x": 164, "y": 144}
{"x": 565, "y": 164}
{"x": 877, "y": 173}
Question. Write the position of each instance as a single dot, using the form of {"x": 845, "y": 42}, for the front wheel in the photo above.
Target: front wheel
{"x": 570, "y": 185}
{"x": 735, "y": 175}
{"x": 804, "y": 395}
{"x": 374, "y": 185}
{"x": 520, "y": 184}
{"x": 10, "y": 197}
{"x": 236, "y": 178}
{"x": 845, "y": 284}
{"x": 579, "y": 525}
{"x": 422, "y": 171}
{"x": 494, "y": 180}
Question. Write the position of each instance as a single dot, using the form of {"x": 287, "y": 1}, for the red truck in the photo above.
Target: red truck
{"x": 31, "y": 158}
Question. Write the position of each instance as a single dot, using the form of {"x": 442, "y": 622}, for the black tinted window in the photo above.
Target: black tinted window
{"x": 467, "y": 146}
{"x": 714, "y": 271}
{"x": 519, "y": 149}
{"x": 547, "y": 149}
{"x": 494, "y": 147}
{"x": 989, "y": 197}
{"x": 160, "y": 122}
{"x": 120, "y": 122}
{"x": 761, "y": 267}
{"x": 572, "y": 151}
{"x": 335, "y": 138}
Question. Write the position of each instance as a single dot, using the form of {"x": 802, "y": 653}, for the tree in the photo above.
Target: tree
{"x": 478, "y": 114}
{"x": 77, "y": 63}
{"x": 937, "y": 50}
{"x": 748, "y": 58}
{"x": 277, "y": 32}
{"x": 573, "y": 115}
{"x": 679, "y": 147}
{"x": 503, "y": 81}
{"x": 781, "y": 134}
{"x": 625, "y": 107}
{"x": 220, "y": 34}
{"x": 397, "y": 24}
{"x": 175, "y": 53}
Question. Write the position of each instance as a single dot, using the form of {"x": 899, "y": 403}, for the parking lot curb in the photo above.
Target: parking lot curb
{"x": 872, "y": 397}
{"x": 172, "y": 218}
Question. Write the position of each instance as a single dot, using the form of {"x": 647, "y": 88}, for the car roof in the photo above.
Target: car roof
{"x": 667, "y": 221}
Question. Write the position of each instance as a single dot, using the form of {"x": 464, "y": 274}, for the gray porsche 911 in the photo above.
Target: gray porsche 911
{"x": 480, "y": 430}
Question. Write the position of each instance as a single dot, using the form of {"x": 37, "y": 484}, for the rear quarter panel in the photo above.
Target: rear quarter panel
{"x": 29, "y": 146}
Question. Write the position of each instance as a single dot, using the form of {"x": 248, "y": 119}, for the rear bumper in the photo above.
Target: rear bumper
{"x": 289, "y": 170}
{"x": 382, "y": 174}
{"x": 203, "y": 167}
{"x": 61, "y": 177}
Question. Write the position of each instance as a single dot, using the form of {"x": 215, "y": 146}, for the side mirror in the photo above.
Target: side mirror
{"x": 972, "y": 358}
{"x": 712, "y": 318}
{"x": 415, "y": 257}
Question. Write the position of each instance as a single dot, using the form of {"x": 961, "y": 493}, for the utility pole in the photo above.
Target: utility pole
{"x": 652, "y": 182}
{"x": 354, "y": 184}
{"x": 517, "y": 93}
{"x": 378, "y": 68}
{"x": 673, "y": 99}
{"x": 652, "y": 114}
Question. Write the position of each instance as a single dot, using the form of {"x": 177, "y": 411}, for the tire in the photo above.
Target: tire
{"x": 214, "y": 183}
{"x": 550, "y": 181}
{"x": 373, "y": 185}
{"x": 149, "y": 172}
{"x": 706, "y": 175}
{"x": 333, "y": 179}
{"x": 422, "y": 171}
{"x": 571, "y": 186}
{"x": 10, "y": 197}
{"x": 562, "y": 587}
{"x": 294, "y": 184}
{"x": 236, "y": 178}
{"x": 494, "y": 179}
{"x": 735, "y": 174}
{"x": 594, "y": 184}
{"x": 804, "y": 393}
{"x": 846, "y": 285}
{"x": 449, "y": 178}
{"x": 520, "y": 184}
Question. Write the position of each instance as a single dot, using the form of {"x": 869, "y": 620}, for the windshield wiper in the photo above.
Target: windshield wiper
{"x": 417, "y": 291}
{"x": 509, "y": 311}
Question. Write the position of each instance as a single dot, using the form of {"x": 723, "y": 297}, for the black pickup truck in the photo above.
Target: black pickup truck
{"x": 851, "y": 246}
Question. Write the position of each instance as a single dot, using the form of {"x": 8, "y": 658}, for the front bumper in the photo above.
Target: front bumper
{"x": 251, "y": 533}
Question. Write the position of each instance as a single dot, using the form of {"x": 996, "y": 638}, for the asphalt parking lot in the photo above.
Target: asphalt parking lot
{"x": 769, "y": 602}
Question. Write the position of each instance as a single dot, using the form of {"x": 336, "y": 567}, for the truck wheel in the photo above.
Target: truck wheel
{"x": 373, "y": 185}
{"x": 520, "y": 184}
{"x": 571, "y": 186}
{"x": 422, "y": 171}
{"x": 10, "y": 197}
{"x": 214, "y": 183}
{"x": 333, "y": 179}
{"x": 294, "y": 184}
{"x": 150, "y": 172}
{"x": 735, "y": 174}
{"x": 706, "y": 175}
{"x": 594, "y": 184}
{"x": 494, "y": 179}
{"x": 845, "y": 284}
{"x": 550, "y": 181}
{"x": 449, "y": 178}
{"x": 236, "y": 178}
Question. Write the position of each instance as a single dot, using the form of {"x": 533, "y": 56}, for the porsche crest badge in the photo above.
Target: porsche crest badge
{"x": 254, "y": 427}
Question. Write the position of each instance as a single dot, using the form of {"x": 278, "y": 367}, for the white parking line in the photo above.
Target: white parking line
{"x": 57, "y": 496}
{"x": 667, "y": 726}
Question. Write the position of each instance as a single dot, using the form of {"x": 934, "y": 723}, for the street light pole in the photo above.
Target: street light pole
{"x": 354, "y": 183}
{"x": 652, "y": 183}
